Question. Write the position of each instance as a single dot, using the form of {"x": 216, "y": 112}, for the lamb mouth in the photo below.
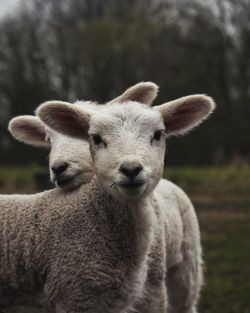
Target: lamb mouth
{"x": 131, "y": 185}
{"x": 132, "y": 189}
{"x": 66, "y": 181}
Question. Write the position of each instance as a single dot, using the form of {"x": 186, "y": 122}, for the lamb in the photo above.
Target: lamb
{"x": 70, "y": 163}
{"x": 31, "y": 130}
{"x": 43, "y": 218}
{"x": 127, "y": 175}
{"x": 71, "y": 166}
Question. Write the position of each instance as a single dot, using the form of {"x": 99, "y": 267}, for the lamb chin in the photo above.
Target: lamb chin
{"x": 132, "y": 191}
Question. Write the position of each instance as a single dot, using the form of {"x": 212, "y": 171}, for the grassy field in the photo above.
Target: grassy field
{"x": 19, "y": 179}
{"x": 222, "y": 199}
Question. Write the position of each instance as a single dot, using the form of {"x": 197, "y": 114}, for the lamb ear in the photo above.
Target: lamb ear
{"x": 64, "y": 117}
{"x": 30, "y": 130}
{"x": 183, "y": 114}
{"x": 144, "y": 92}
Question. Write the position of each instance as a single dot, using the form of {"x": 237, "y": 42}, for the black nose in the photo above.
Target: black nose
{"x": 59, "y": 168}
{"x": 131, "y": 170}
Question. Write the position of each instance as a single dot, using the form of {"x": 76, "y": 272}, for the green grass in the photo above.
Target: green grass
{"x": 226, "y": 242}
{"x": 19, "y": 179}
{"x": 222, "y": 200}
{"x": 212, "y": 179}
{"x": 223, "y": 188}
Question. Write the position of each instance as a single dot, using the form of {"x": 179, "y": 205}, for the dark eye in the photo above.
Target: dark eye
{"x": 97, "y": 140}
{"x": 157, "y": 135}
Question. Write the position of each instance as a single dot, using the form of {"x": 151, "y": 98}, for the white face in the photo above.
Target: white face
{"x": 127, "y": 138}
{"x": 127, "y": 145}
{"x": 70, "y": 163}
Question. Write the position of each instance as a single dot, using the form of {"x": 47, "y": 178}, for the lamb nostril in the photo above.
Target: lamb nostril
{"x": 59, "y": 168}
{"x": 130, "y": 171}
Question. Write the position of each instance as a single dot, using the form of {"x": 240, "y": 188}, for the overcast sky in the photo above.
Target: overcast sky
{"x": 7, "y": 6}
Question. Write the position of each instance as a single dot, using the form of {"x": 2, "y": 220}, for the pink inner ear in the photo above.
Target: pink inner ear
{"x": 29, "y": 128}
{"x": 139, "y": 95}
{"x": 29, "y": 133}
{"x": 69, "y": 121}
{"x": 33, "y": 132}
{"x": 185, "y": 113}
{"x": 144, "y": 92}
{"x": 182, "y": 117}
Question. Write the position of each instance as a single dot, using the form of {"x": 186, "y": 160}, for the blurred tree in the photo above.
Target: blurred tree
{"x": 93, "y": 49}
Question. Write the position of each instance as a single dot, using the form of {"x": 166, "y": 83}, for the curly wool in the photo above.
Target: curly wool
{"x": 113, "y": 252}
{"x": 77, "y": 249}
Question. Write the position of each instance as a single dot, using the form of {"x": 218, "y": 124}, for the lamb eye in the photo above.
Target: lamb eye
{"x": 97, "y": 140}
{"x": 157, "y": 135}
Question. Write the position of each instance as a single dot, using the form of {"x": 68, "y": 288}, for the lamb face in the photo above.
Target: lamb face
{"x": 127, "y": 146}
{"x": 70, "y": 162}
{"x": 126, "y": 140}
